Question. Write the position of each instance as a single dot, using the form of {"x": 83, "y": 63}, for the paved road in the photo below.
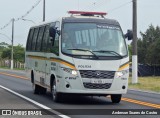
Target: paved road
{"x": 82, "y": 105}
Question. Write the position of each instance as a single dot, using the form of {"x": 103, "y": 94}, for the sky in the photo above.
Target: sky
{"x": 121, "y": 10}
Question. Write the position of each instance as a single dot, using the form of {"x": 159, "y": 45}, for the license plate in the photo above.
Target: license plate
{"x": 98, "y": 81}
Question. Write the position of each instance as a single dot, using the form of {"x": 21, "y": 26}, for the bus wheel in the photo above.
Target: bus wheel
{"x": 116, "y": 98}
{"x": 36, "y": 88}
{"x": 43, "y": 90}
{"x": 56, "y": 96}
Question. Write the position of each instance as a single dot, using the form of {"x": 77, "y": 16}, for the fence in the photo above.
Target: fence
{"x": 147, "y": 70}
{"x": 6, "y": 63}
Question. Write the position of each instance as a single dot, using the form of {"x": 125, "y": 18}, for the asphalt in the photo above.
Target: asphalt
{"x": 11, "y": 103}
{"x": 76, "y": 106}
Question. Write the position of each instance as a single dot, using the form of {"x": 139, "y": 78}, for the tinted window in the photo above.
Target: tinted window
{"x": 50, "y": 43}
{"x": 29, "y": 41}
{"x": 39, "y": 39}
{"x": 45, "y": 38}
{"x": 55, "y": 48}
{"x": 34, "y": 39}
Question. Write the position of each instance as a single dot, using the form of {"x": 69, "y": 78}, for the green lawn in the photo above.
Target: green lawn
{"x": 13, "y": 68}
{"x": 146, "y": 83}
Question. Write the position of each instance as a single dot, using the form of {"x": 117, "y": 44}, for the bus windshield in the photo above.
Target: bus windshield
{"x": 93, "y": 39}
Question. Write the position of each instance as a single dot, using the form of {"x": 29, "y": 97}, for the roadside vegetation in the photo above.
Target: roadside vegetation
{"x": 148, "y": 47}
{"x": 18, "y": 55}
{"x": 146, "y": 84}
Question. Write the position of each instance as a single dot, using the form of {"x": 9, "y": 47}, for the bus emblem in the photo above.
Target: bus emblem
{"x": 98, "y": 74}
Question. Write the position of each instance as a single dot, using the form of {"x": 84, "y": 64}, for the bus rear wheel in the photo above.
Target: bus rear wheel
{"x": 116, "y": 98}
{"x": 57, "y": 97}
{"x": 36, "y": 89}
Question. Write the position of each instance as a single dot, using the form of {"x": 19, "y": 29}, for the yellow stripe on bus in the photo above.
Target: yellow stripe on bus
{"x": 123, "y": 66}
{"x": 54, "y": 60}
{"x": 37, "y": 57}
{"x": 64, "y": 63}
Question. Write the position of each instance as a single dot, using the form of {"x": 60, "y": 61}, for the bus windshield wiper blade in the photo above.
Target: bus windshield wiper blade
{"x": 108, "y": 51}
{"x": 84, "y": 50}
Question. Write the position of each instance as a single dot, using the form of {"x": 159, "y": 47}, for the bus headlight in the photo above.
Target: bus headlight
{"x": 74, "y": 72}
{"x": 71, "y": 71}
{"x": 121, "y": 73}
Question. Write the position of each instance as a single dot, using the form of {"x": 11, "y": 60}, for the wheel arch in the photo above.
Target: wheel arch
{"x": 52, "y": 78}
{"x": 32, "y": 76}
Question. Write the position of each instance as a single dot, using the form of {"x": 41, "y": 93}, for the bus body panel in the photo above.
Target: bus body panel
{"x": 45, "y": 64}
{"x": 76, "y": 83}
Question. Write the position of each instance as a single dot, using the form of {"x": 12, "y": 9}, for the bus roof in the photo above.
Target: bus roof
{"x": 90, "y": 20}
{"x": 80, "y": 18}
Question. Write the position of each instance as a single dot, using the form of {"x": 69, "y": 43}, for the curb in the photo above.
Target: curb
{"x": 145, "y": 91}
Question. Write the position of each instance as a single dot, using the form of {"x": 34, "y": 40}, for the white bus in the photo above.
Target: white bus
{"x": 84, "y": 54}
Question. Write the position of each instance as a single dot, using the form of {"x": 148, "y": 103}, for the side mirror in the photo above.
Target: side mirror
{"x": 129, "y": 35}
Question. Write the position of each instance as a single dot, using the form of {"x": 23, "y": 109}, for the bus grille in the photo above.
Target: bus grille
{"x": 97, "y": 86}
{"x": 97, "y": 74}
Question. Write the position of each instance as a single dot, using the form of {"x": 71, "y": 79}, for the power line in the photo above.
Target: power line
{"x": 6, "y": 25}
{"x": 95, "y": 5}
{"x": 23, "y": 16}
{"x": 99, "y": 5}
{"x": 122, "y": 5}
{"x": 29, "y": 11}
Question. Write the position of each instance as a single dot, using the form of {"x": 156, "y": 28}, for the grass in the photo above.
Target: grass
{"x": 13, "y": 68}
{"x": 147, "y": 84}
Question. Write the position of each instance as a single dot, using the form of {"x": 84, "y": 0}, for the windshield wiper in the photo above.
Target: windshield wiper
{"x": 108, "y": 51}
{"x": 84, "y": 50}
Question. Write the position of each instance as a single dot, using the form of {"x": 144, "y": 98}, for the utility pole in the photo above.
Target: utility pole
{"x": 44, "y": 8}
{"x": 134, "y": 52}
{"x": 12, "y": 43}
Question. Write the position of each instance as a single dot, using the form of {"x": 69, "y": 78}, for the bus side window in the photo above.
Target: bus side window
{"x": 55, "y": 48}
{"x": 39, "y": 40}
{"x": 35, "y": 39}
{"x": 29, "y": 40}
{"x": 45, "y": 39}
{"x": 49, "y": 42}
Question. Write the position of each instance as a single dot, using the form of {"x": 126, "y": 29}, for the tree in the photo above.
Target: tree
{"x": 141, "y": 51}
{"x": 18, "y": 54}
{"x": 3, "y": 46}
{"x": 3, "y": 43}
{"x": 149, "y": 46}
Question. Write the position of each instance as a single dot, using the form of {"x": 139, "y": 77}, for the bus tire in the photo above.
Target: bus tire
{"x": 116, "y": 98}
{"x": 36, "y": 89}
{"x": 43, "y": 90}
{"x": 57, "y": 97}
{"x": 32, "y": 77}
